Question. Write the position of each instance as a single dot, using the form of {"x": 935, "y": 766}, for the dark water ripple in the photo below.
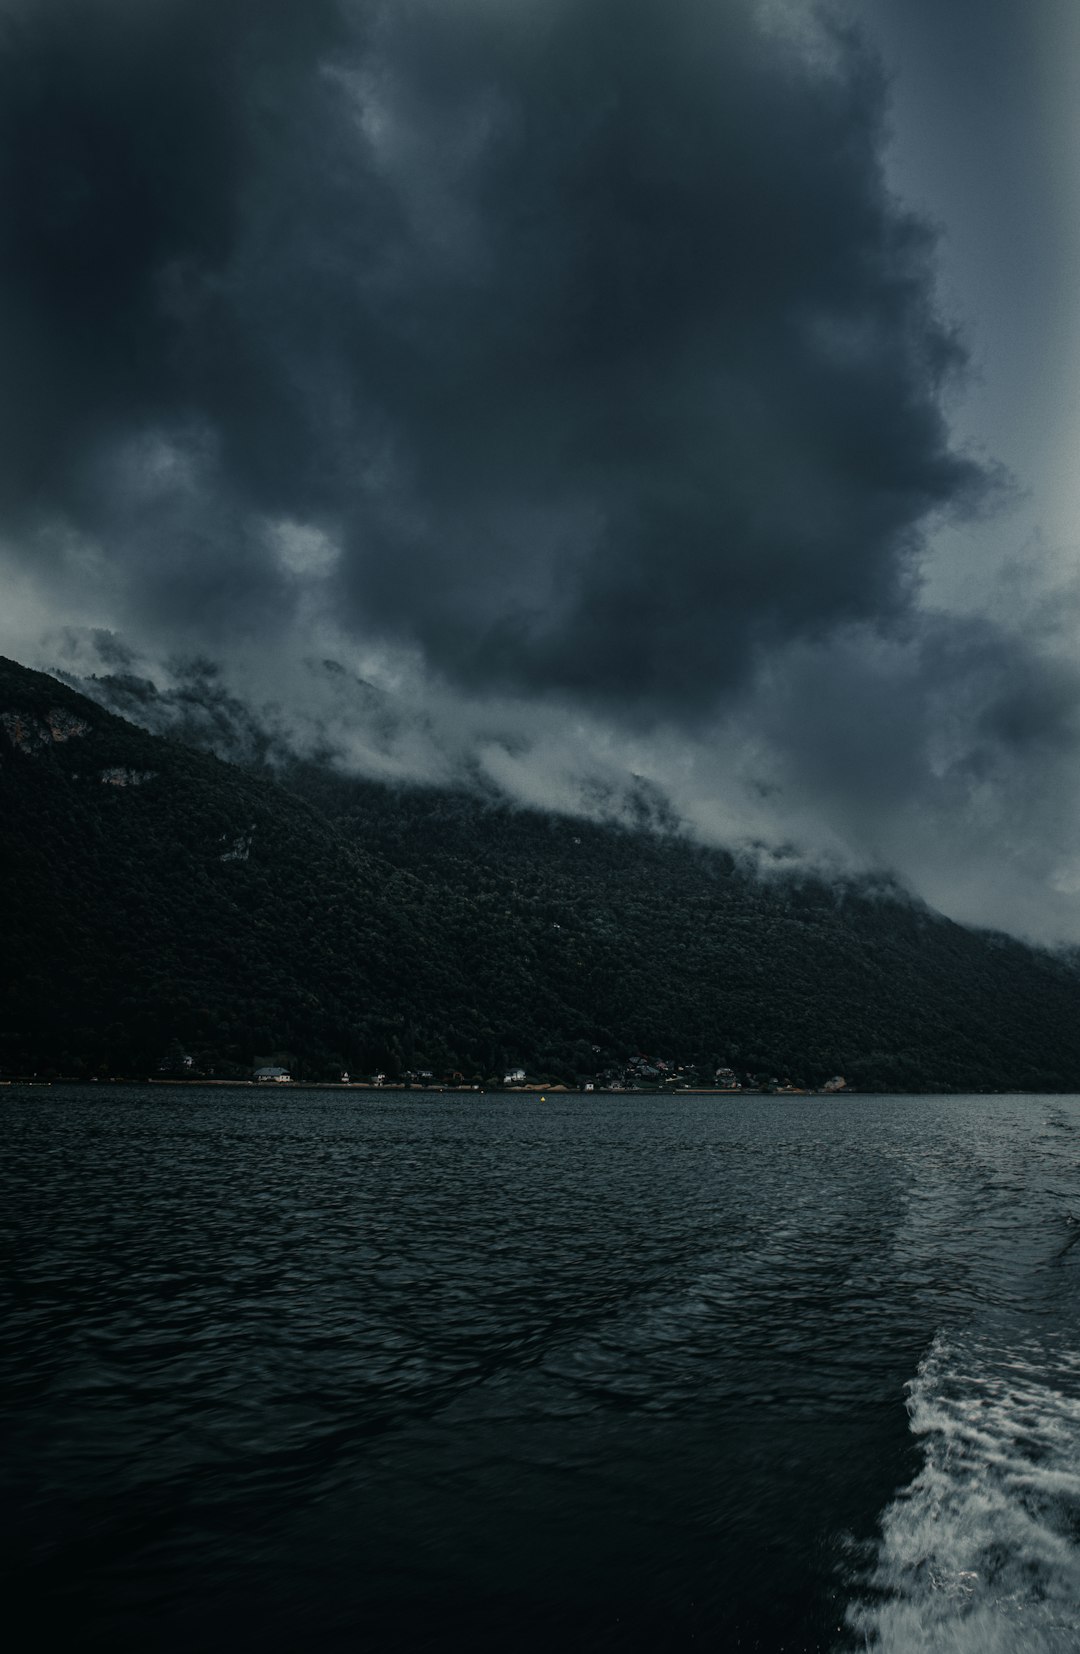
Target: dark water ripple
{"x": 355, "y": 1371}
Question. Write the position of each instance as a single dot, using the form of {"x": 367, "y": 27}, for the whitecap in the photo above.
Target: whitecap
{"x": 979, "y": 1554}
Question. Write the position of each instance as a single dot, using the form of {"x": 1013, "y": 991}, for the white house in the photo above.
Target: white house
{"x": 270, "y": 1076}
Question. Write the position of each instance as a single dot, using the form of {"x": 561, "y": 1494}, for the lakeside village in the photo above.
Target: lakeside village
{"x": 641, "y": 1073}
{"x": 638, "y": 1073}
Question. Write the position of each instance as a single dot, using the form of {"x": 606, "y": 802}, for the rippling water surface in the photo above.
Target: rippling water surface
{"x": 348, "y": 1371}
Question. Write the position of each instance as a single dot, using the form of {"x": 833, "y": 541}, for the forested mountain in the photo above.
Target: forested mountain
{"x": 156, "y": 898}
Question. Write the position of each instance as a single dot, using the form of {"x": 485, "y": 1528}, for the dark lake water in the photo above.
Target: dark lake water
{"x": 358, "y": 1372}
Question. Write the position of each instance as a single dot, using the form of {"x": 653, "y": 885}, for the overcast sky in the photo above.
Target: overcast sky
{"x": 678, "y": 393}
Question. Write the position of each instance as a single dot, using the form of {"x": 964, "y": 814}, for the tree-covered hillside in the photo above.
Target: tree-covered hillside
{"x": 157, "y": 898}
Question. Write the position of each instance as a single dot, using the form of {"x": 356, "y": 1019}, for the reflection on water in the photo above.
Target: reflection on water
{"x": 402, "y": 1372}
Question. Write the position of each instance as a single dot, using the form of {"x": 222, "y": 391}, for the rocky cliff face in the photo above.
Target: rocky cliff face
{"x": 36, "y": 733}
{"x": 30, "y": 733}
{"x": 122, "y": 775}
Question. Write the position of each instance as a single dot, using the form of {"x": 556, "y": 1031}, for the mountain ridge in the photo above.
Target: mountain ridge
{"x": 160, "y": 897}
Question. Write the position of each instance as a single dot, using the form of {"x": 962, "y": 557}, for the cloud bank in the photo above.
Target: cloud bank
{"x": 565, "y": 371}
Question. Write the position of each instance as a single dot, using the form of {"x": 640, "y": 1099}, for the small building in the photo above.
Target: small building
{"x": 514, "y": 1077}
{"x": 272, "y": 1076}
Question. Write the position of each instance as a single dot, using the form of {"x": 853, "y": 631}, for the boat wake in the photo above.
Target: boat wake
{"x": 980, "y": 1555}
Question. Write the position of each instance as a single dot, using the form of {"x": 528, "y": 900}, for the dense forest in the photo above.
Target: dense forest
{"x": 158, "y": 900}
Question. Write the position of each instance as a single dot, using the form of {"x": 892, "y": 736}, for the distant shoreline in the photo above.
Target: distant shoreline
{"x": 520, "y": 1091}
{"x": 426, "y": 1090}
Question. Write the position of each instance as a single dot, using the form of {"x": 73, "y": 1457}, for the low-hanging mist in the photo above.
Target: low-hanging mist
{"x": 930, "y": 758}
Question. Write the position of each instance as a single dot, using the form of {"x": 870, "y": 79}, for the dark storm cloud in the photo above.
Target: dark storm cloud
{"x": 586, "y": 329}
{"x": 126, "y": 132}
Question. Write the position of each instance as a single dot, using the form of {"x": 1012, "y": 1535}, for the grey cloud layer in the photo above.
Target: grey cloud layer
{"x": 584, "y": 330}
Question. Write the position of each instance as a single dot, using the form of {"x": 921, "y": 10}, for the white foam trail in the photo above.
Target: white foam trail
{"x": 979, "y": 1555}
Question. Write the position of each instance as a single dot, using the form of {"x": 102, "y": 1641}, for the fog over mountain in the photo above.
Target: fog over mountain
{"x": 572, "y": 395}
